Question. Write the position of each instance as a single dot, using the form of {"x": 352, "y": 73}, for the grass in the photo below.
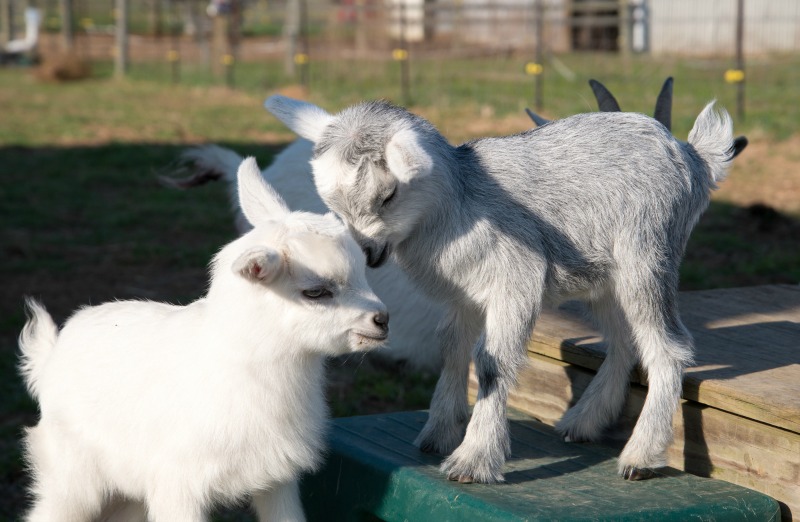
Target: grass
{"x": 85, "y": 219}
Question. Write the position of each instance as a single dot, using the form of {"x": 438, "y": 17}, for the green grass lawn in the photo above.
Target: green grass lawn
{"x": 85, "y": 220}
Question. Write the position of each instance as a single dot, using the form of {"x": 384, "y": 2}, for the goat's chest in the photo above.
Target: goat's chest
{"x": 270, "y": 439}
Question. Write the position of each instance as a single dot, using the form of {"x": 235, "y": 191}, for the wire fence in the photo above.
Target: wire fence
{"x": 420, "y": 47}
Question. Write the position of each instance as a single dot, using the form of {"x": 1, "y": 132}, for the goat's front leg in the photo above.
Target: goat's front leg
{"x": 449, "y": 411}
{"x": 279, "y": 504}
{"x": 498, "y": 356}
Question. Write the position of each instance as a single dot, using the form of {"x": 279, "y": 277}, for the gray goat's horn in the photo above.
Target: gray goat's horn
{"x": 605, "y": 100}
{"x": 538, "y": 120}
{"x": 663, "y": 112}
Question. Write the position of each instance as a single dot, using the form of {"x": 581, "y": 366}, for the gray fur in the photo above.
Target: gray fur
{"x": 595, "y": 207}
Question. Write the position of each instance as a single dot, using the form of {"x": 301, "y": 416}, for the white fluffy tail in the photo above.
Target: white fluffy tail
{"x": 36, "y": 342}
{"x": 712, "y": 137}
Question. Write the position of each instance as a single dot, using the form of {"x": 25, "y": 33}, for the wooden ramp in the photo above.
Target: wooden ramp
{"x": 740, "y": 417}
{"x": 374, "y": 472}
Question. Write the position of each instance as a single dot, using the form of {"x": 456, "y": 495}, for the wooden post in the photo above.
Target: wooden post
{"x": 67, "y": 34}
{"x": 405, "y": 80}
{"x": 304, "y": 43}
{"x": 740, "y": 58}
{"x": 219, "y": 44}
{"x": 156, "y": 18}
{"x": 174, "y": 54}
{"x": 537, "y": 82}
{"x": 291, "y": 34}
{"x": 121, "y": 39}
{"x": 361, "y": 28}
{"x": 6, "y": 21}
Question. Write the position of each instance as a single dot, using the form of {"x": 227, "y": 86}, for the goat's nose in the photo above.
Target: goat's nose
{"x": 381, "y": 319}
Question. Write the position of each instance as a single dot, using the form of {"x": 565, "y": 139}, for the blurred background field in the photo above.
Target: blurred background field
{"x": 85, "y": 219}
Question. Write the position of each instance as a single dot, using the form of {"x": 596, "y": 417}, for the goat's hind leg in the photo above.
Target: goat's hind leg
{"x": 449, "y": 411}
{"x": 602, "y": 401}
{"x": 64, "y": 488}
{"x": 665, "y": 348}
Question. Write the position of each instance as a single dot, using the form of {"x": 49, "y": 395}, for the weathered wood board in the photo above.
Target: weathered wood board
{"x": 740, "y": 420}
{"x": 373, "y": 471}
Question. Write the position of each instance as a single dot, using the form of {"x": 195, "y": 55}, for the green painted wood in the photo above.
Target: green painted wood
{"x": 374, "y": 472}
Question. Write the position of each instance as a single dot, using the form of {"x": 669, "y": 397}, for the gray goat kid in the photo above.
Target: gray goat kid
{"x": 663, "y": 111}
{"x": 596, "y": 206}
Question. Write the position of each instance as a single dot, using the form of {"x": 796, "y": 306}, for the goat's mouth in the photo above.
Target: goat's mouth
{"x": 375, "y": 260}
{"x": 366, "y": 341}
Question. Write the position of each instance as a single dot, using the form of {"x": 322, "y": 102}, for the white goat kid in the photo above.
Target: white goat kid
{"x": 596, "y": 206}
{"x": 179, "y": 408}
{"x": 414, "y": 315}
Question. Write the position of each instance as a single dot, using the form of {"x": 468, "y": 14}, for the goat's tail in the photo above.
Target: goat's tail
{"x": 36, "y": 342}
{"x": 712, "y": 138}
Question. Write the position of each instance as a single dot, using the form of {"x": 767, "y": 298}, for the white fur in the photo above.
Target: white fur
{"x": 163, "y": 410}
{"x": 414, "y": 315}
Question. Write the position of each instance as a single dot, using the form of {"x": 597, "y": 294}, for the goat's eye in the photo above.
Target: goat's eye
{"x": 390, "y": 197}
{"x": 317, "y": 293}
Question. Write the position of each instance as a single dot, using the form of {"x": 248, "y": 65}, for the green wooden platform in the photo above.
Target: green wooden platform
{"x": 374, "y": 472}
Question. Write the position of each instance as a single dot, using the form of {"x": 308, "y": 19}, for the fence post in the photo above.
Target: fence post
{"x": 537, "y": 82}
{"x": 67, "y": 35}
{"x": 6, "y": 21}
{"x": 121, "y": 39}
{"x": 291, "y": 33}
{"x": 303, "y": 58}
{"x": 174, "y": 54}
{"x": 405, "y": 86}
{"x": 740, "y": 58}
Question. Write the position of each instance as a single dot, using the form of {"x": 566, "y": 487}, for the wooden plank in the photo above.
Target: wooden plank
{"x": 374, "y": 472}
{"x": 747, "y": 349}
{"x": 708, "y": 441}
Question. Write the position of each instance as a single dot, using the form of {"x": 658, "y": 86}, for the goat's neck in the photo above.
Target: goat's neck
{"x": 420, "y": 254}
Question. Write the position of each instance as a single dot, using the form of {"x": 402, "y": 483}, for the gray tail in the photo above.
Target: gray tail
{"x": 712, "y": 138}
{"x": 36, "y": 342}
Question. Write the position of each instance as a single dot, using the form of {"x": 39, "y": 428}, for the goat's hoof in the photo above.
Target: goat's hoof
{"x": 463, "y": 479}
{"x": 634, "y": 473}
{"x": 576, "y": 440}
{"x": 428, "y": 448}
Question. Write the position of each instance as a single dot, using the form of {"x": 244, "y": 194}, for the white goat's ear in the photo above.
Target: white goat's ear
{"x": 258, "y": 200}
{"x": 406, "y": 157}
{"x": 306, "y": 119}
{"x": 259, "y": 264}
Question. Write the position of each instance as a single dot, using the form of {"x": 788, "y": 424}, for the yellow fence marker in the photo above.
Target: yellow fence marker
{"x": 734, "y": 76}
{"x": 173, "y": 56}
{"x": 301, "y": 58}
{"x": 227, "y": 59}
{"x": 533, "y": 69}
{"x": 399, "y": 55}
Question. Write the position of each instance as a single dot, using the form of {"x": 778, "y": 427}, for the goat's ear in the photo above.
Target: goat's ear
{"x": 663, "y": 112}
{"x": 258, "y": 200}
{"x": 605, "y": 100}
{"x": 738, "y": 146}
{"x": 306, "y": 119}
{"x": 406, "y": 157}
{"x": 259, "y": 264}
